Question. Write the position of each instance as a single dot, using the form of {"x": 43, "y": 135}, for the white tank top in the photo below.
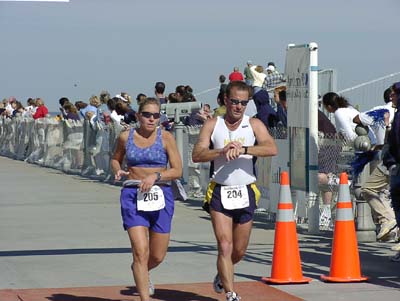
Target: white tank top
{"x": 241, "y": 170}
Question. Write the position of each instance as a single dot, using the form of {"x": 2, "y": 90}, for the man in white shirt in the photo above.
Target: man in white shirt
{"x": 229, "y": 143}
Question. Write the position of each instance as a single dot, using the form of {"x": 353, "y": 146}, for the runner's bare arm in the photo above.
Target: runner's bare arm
{"x": 266, "y": 146}
{"x": 201, "y": 151}
{"x": 118, "y": 156}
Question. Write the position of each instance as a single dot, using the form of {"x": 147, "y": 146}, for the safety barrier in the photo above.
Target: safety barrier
{"x": 85, "y": 149}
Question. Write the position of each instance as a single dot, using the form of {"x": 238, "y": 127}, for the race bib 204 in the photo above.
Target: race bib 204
{"x": 234, "y": 197}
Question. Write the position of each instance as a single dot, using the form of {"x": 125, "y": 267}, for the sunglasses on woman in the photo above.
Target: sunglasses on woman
{"x": 149, "y": 114}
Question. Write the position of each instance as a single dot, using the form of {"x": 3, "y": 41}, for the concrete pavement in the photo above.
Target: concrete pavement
{"x": 64, "y": 232}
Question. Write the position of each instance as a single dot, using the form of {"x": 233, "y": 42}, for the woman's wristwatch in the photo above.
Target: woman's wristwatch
{"x": 158, "y": 176}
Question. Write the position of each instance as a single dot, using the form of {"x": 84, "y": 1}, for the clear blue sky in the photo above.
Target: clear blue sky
{"x": 128, "y": 45}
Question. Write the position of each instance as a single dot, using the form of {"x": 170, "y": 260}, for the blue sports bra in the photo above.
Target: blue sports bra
{"x": 152, "y": 156}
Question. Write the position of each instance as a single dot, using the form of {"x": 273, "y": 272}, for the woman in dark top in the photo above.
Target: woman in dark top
{"x": 19, "y": 109}
{"x": 71, "y": 111}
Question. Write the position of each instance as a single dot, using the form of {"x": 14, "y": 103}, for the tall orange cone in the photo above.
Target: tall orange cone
{"x": 286, "y": 265}
{"x": 345, "y": 261}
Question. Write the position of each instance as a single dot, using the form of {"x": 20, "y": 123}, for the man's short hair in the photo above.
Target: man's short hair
{"x": 63, "y": 100}
{"x": 238, "y": 85}
{"x": 282, "y": 95}
{"x": 386, "y": 95}
{"x": 180, "y": 90}
{"x": 140, "y": 97}
{"x": 396, "y": 88}
{"x": 160, "y": 87}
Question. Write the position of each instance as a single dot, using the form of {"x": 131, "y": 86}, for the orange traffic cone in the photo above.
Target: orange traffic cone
{"x": 345, "y": 261}
{"x": 286, "y": 265}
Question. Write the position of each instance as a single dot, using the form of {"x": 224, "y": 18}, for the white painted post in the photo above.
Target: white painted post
{"x": 313, "y": 214}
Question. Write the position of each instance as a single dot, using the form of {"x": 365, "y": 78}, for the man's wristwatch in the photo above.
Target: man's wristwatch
{"x": 245, "y": 149}
{"x": 158, "y": 176}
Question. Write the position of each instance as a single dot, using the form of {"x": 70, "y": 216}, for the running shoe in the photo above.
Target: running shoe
{"x": 396, "y": 247}
{"x": 391, "y": 237}
{"x": 151, "y": 285}
{"x": 232, "y": 296}
{"x": 386, "y": 228}
{"x": 395, "y": 258}
{"x": 217, "y": 284}
{"x": 151, "y": 288}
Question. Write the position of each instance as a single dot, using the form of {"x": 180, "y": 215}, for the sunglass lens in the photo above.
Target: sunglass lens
{"x": 148, "y": 115}
{"x": 237, "y": 101}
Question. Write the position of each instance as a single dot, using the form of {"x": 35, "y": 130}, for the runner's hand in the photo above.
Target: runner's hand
{"x": 233, "y": 154}
{"x": 232, "y": 150}
{"x": 147, "y": 183}
{"x": 121, "y": 173}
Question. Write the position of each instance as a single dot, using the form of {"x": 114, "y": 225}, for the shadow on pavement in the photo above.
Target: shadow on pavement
{"x": 315, "y": 252}
{"x": 170, "y": 295}
{"x": 190, "y": 247}
{"x": 68, "y": 297}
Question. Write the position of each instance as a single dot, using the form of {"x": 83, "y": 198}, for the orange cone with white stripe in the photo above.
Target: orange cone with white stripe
{"x": 286, "y": 265}
{"x": 345, "y": 261}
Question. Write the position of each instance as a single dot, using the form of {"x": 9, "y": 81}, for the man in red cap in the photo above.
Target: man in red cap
{"x": 236, "y": 75}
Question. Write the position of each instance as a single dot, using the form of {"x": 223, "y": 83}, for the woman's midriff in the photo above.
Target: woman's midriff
{"x": 139, "y": 173}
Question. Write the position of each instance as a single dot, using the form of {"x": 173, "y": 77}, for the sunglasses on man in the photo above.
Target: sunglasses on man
{"x": 237, "y": 101}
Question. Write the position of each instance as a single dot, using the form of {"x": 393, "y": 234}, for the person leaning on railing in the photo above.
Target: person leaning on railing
{"x": 124, "y": 109}
{"x": 70, "y": 111}
{"x": 344, "y": 114}
{"x": 41, "y": 109}
{"x": 273, "y": 78}
{"x": 374, "y": 187}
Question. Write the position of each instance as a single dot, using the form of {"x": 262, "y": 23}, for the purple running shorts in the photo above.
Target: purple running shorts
{"x": 157, "y": 221}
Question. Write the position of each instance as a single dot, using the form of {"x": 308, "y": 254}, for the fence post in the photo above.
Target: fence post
{"x": 313, "y": 212}
{"x": 179, "y": 138}
{"x": 364, "y": 223}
